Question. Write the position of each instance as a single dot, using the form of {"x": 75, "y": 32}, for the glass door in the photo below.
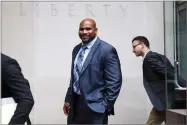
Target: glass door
{"x": 181, "y": 54}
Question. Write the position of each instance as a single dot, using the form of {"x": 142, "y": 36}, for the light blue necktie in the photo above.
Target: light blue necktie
{"x": 77, "y": 70}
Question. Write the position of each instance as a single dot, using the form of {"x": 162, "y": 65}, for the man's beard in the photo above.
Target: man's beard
{"x": 89, "y": 40}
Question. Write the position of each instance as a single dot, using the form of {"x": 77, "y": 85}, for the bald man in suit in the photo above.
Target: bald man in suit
{"x": 95, "y": 78}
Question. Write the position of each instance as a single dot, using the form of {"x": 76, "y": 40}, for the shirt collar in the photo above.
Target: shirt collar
{"x": 145, "y": 54}
{"x": 90, "y": 44}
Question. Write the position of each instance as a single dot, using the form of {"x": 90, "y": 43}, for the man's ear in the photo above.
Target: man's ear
{"x": 96, "y": 30}
{"x": 143, "y": 46}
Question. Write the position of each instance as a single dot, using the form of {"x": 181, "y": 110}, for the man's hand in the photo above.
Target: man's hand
{"x": 66, "y": 108}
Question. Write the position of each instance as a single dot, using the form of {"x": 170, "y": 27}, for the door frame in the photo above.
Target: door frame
{"x": 181, "y": 5}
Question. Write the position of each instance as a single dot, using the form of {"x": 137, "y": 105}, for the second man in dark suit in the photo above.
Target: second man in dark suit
{"x": 95, "y": 78}
{"x": 155, "y": 69}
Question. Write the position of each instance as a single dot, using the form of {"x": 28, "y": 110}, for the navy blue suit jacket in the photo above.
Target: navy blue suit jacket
{"x": 100, "y": 79}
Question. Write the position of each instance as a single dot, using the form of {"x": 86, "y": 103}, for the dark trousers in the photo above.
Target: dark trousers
{"x": 80, "y": 113}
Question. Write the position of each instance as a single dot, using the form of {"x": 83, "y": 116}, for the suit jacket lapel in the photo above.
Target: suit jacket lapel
{"x": 90, "y": 55}
{"x": 76, "y": 51}
{"x": 73, "y": 58}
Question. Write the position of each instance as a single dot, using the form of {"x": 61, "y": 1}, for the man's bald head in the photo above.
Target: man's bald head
{"x": 91, "y": 21}
{"x": 87, "y": 30}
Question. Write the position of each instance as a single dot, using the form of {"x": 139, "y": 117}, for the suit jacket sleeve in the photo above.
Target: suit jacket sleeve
{"x": 68, "y": 97}
{"x": 20, "y": 90}
{"x": 161, "y": 65}
{"x": 113, "y": 77}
